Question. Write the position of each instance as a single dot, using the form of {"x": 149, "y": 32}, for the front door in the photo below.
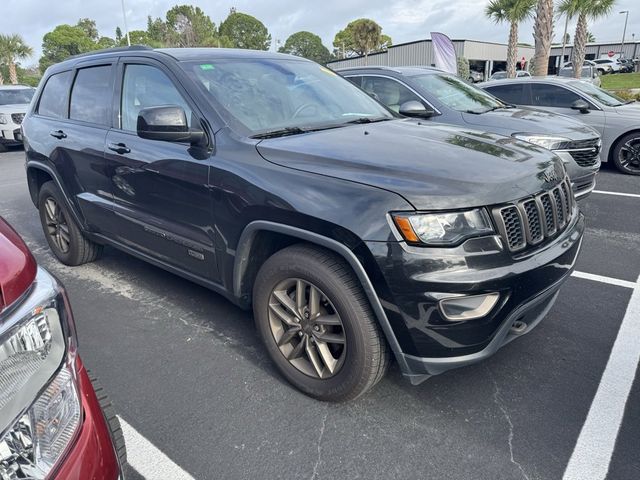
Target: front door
{"x": 160, "y": 188}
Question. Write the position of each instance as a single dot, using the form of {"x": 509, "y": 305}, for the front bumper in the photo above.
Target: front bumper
{"x": 412, "y": 279}
{"x": 583, "y": 179}
{"x": 10, "y": 135}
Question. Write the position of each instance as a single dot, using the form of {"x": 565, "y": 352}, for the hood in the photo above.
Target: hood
{"x": 432, "y": 166}
{"x": 531, "y": 121}
{"x": 17, "y": 266}
{"x": 629, "y": 109}
{"x": 14, "y": 108}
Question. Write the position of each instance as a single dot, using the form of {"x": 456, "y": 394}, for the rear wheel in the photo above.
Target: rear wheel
{"x": 626, "y": 154}
{"x": 63, "y": 235}
{"x": 317, "y": 325}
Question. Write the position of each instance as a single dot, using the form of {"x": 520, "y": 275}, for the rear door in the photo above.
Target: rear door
{"x": 161, "y": 189}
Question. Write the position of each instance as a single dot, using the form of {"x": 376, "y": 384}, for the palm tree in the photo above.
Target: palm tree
{"x": 585, "y": 10}
{"x": 12, "y": 49}
{"x": 514, "y": 12}
{"x": 367, "y": 35}
{"x": 542, "y": 33}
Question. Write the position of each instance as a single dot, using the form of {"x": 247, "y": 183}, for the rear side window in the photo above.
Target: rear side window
{"x": 91, "y": 95}
{"x": 512, "y": 93}
{"x": 355, "y": 80}
{"x": 552, "y": 96}
{"x": 53, "y": 102}
{"x": 388, "y": 91}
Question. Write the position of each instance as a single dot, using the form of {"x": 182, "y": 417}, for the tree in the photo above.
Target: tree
{"x": 567, "y": 38}
{"x": 89, "y": 27}
{"x": 244, "y": 31}
{"x": 591, "y": 38}
{"x": 118, "y": 35}
{"x": 62, "y": 42}
{"x": 12, "y": 49}
{"x": 514, "y": 12}
{"x": 542, "y": 33}
{"x": 191, "y": 27}
{"x": 307, "y": 45}
{"x": 585, "y": 10}
{"x": 345, "y": 44}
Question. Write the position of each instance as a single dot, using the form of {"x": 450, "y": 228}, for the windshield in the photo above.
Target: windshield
{"x": 457, "y": 94}
{"x": 16, "y": 96}
{"x": 604, "y": 97}
{"x": 499, "y": 75}
{"x": 268, "y": 95}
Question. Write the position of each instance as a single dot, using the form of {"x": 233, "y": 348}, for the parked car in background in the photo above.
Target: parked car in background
{"x": 501, "y": 75}
{"x": 475, "y": 76}
{"x": 617, "y": 120}
{"x": 14, "y": 101}
{"x": 443, "y": 97}
{"x": 52, "y": 423}
{"x": 614, "y": 65}
{"x": 627, "y": 65}
{"x": 352, "y": 233}
{"x": 601, "y": 69}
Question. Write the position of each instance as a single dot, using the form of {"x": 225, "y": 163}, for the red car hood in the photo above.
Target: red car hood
{"x": 17, "y": 265}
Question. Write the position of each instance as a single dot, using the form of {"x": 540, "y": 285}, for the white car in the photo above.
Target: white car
{"x": 502, "y": 75}
{"x": 614, "y": 65}
{"x": 14, "y": 102}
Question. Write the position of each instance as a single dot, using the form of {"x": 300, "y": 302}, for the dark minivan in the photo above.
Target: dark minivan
{"x": 353, "y": 234}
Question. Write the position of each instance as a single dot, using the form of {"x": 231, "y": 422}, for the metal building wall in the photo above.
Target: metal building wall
{"x": 631, "y": 49}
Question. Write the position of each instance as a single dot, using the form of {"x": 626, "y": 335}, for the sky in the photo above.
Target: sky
{"x": 403, "y": 20}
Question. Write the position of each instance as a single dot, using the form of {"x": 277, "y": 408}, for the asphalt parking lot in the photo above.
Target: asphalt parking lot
{"x": 200, "y": 399}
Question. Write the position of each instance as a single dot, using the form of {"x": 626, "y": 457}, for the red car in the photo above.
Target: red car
{"x": 52, "y": 423}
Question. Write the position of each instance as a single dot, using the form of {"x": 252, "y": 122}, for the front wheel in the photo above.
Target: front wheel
{"x": 317, "y": 325}
{"x": 626, "y": 154}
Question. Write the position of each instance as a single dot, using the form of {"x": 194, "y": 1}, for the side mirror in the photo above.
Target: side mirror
{"x": 167, "y": 123}
{"x": 580, "y": 105}
{"x": 413, "y": 108}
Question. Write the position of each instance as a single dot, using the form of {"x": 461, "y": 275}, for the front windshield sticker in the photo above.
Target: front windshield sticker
{"x": 207, "y": 66}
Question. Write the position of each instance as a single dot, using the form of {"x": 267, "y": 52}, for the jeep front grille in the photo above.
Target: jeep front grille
{"x": 17, "y": 118}
{"x": 532, "y": 220}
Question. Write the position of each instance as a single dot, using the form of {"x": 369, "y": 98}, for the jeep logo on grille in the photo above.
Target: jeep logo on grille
{"x": 550, "y": 175}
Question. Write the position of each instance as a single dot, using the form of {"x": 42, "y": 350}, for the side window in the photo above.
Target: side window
{"x": 356, "y": 80}
{"x": 53, "y": 102}
{"x": 510, "y": 93}
{"x": 552, "y": 96}
{"x": 91, "y": 95}
{"x": 390, "y": 92}
{"x": 146, "y": 86}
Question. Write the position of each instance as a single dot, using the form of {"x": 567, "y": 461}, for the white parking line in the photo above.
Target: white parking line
{"x": 602, "y": 279}
{"x": 604, "y": 192}
{"x": 147, "y": 459}
{"x": 592, "y": 454}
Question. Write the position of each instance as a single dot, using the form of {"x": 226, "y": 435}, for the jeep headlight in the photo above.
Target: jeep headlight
{"x": 3, "y": 119}
{"x": 38, "y": 392}
{"x": 550, "y": 142}
{"x": 443, "y": 229}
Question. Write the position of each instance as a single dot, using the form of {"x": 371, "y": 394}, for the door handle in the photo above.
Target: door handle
{"x": 59, "y": 134}
{"x": 119, "y": 148}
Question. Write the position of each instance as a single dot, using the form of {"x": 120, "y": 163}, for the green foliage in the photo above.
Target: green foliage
{"x": 463, "y": 67}
{"x": 244, "y": 31}
{"x": 360, "y": 37}
{"x": 29, "y": 76}
{"x": 62, "y": 42}
{"x": 89, "y": 27}
{"x": 188, "y": 26}
{"x": 307, "y": 45}
{"x": 509, "y": 10}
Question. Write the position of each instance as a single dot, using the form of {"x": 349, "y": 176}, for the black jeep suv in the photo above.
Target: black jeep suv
{"x": 353, "y": 234}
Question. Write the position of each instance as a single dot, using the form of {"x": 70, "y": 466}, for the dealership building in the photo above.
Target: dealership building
{"x": 486, "y": 57}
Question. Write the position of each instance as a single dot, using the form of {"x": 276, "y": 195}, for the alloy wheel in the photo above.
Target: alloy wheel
{"x": 307, "y": 328}
{"x": 57, "y": 226}
{"x": 629, "y": 156}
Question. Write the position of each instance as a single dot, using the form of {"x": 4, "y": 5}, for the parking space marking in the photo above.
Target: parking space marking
{"x": 620, "y": 194}
{"x": 146, "y": 459}
{"x": 603, "y": 279}
{"x": 592, "y": 454}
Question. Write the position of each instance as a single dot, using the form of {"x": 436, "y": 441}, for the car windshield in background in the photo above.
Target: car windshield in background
{"x": 457, "y": 94}
{"x": 288, "y": 96}
{"x": 499, "y": 76}
{"x": 604, "y": 97}
{"x": 16, "y": 96}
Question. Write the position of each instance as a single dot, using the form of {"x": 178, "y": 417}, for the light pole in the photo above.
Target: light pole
{"x": 126, "y": 29}
{"x": 564, "y": 43}
{"x": 624, "y": 31}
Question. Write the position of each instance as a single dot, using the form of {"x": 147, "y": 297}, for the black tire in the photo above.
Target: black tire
{"x": 626, "y": 154}
{"x": 366, "y": 354}
{"x": 109, "y": 413}
{"x": 79, "y": 249}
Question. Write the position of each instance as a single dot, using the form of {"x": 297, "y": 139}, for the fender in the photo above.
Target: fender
{"x": 242, "y": 259}
{"x": 31, "y": 164}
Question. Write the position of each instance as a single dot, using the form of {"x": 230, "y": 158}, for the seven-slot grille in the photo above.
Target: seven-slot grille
{"x": 532, "y": 220}
{"x": 585, "y": 152}
{"x": 17, "y": 118}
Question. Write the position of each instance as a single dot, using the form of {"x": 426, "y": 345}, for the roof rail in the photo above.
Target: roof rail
{"x": 131, "y": 48}
{"x": 367, "y": 67}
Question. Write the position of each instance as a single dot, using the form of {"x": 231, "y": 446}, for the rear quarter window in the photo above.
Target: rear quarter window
{"x": 512, "y": 93}
{"x": 91, "y": 95}
{"x": 54, "y": 98}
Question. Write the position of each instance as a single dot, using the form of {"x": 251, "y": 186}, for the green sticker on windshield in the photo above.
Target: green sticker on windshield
{"x": 207, "y": 66}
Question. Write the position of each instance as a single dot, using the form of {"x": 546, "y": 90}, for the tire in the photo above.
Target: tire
{"x": 363, "y": 355}
{"x": 63, "y": 235}
{"x": 626, "y": 154}
{"x": 109, "y": 413}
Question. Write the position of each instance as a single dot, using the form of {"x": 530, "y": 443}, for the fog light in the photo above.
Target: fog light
{"x": 468, "y": 307}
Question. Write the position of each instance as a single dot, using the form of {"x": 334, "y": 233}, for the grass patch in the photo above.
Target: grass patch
{"x": 620, "y": 81}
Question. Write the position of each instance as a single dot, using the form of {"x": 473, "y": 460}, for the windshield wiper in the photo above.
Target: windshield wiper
{"x": 368, "y": 120}
{"x": 280, "y": 132}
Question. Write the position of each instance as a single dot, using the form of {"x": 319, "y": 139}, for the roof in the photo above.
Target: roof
{"x": 405, "y": 70}
{"x": 14, "y": 87}
{"x": 547, "y": 79}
